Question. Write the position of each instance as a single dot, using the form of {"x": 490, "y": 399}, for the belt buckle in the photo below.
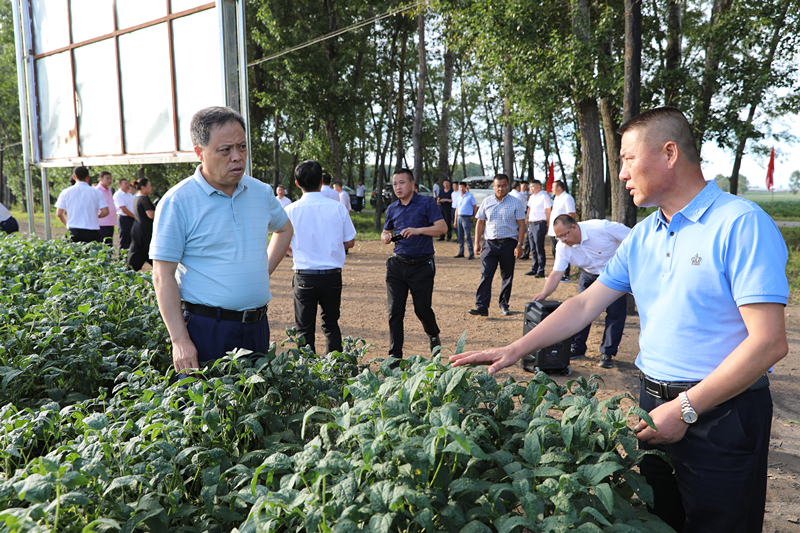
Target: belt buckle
{"x": 656, "y": 389}
{"x": 247, "y": 313}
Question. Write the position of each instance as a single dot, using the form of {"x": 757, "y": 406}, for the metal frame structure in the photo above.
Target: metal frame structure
{"x": 233, "y": 90}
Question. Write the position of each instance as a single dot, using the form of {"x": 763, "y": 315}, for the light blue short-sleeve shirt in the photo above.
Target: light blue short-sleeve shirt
{"x": 690, "y": 275}
{"x": 219, "y": 241}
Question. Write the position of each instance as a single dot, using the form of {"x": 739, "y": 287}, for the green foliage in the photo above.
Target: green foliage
{"x": 794, "y": 181}
{"x": 288, "y": 441}
{"x": 724, "y": 183}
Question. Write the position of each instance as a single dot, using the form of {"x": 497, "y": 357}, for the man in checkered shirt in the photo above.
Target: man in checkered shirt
{"x": 503, "y": 218}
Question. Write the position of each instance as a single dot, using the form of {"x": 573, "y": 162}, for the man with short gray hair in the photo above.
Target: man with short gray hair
{"x": 212, "y": 256}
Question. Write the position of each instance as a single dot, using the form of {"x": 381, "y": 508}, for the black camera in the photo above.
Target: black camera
{"x": 397, "y": 237}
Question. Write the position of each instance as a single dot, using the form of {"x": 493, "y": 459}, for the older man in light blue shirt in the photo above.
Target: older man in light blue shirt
{"x": 211, "y": 249}
{"x": 708, "y": 274}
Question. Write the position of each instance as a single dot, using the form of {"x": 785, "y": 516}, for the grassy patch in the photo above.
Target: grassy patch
{"x": 365, "y": 226}
{"x": 792, "y": 238}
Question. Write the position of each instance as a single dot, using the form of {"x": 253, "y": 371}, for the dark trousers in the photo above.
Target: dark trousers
{"x": 125, "y": 226}
{"x": 554, "y": 241}
{"x": 84, "y": 235}
{"x": 107, "y": 235}
{"x": 9, "y": 225}
{"x": 213, "y": 338}
{"x": 536, "y": 234}
{"x": 325, "y": 290}
{"x": 447, "y": 214}
{"x": 359, "y": 204}
{"x": 464, "y": 227}
{"x": 494, "y": 252}
{"x": 401, "y": 279}
{"x": 615, "y": 321}
{"x": 720, "y": 479}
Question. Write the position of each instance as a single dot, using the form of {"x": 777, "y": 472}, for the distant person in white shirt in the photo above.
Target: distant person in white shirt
{"x": 107, "y": 222}
{"x": 590, "y": 245}
{"x": 326, "y": 189}
{"x": 123, "y": 201}
{"x": 7, "y": 222}
{"x": 563, "y": 204}
{"x": 280, "y": 194}
{"x": 539, "y": 207}
{"x": 454, "y": 197}
{"x": 322, "y": 232}
{"x": 516, "y": 192}
{"x": 361, "y": 194}
{"x": 80, "y": 208}
{"x": 436, "y": 189}
{"x": 344, "y": 197}
{"x": 465, "y": 210}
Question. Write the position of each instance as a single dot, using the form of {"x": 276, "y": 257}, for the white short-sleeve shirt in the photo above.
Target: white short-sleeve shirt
{"x": 539, "y": 203}
{"x": 563, "y": 204}
{"x": 599, "y": 242}
{"x": 344, "y": 199}
{"x": 321, "y": 227}
{"x": 83, "y": 203}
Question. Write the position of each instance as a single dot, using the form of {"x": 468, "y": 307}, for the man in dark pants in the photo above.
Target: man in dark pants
{"x": 323, "y": 232}
{"x": 563, "y": 204}
{"x": 412, "y": 222}
{"x": 589, "y": 245}
{"x": 503, "y": 218}
{"x": 215, "y": 225}
{"x": 123, "y": 200}
{"x": 80, "y": 208}
{"x": 539, "y": 205}
{"x": 107, "y": 222}
{"x": 8, "y": 223}
{"x": 708, "y": 273}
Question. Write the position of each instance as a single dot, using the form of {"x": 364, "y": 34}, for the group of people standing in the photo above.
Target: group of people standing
{"x": 86, "y": 213}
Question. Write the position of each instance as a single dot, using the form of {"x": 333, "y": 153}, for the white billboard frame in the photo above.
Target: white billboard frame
{"x": 233, "y": 87}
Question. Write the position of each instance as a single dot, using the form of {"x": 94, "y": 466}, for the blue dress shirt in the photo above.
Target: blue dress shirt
{"x": 690, "y": 275}
{"x": 421, "y": 212}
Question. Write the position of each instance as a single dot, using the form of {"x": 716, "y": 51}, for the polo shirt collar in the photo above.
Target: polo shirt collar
{"x": 411, "y": 201}
{"x": 209, "y": 190}
{"x": 698, "y": 206}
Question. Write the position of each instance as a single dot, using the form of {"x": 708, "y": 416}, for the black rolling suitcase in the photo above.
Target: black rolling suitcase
{"x": 553, "y": 358}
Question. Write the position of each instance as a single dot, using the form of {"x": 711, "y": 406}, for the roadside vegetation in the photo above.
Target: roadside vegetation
{"x": 98, "y": 434}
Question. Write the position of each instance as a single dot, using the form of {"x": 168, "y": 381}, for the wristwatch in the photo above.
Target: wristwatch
{"x": 688, "y": 414}
{"x": 519, "y": 244}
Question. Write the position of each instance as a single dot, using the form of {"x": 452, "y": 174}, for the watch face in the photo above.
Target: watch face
{"x": 689, "y": 417}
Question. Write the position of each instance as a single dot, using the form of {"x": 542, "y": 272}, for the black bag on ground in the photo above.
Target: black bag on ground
{"x": 551, "y": 358}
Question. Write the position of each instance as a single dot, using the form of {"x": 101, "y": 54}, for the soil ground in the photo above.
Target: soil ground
{"x": 364, "y": 315}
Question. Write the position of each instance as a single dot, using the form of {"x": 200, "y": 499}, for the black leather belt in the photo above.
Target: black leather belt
{"x": 669, "y": 390}
{"x": 501, "y": 241}
{"x": 416, "y": 261}
{"x": 319, "y": 272}
{"x": 538, "y": 222}
{"x": 467, "y": 216}
{"x": 248, "y": 316}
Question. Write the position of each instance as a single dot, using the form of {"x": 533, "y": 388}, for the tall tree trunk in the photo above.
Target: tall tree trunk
{"x": 508, "y": 141}
{"x": 276, "y": 151}
{"x": 674, "y": 80}
{"x": 401, "y": 108}
{"x": 490, "y": 135}
{"x": 444, "y": 124}
{"x": 558, "y": 152}
{"x": 779, "y": 21}
{"x": 331, "y": 121}
{"x": 621, "y": 198}
{"x": 591, "y": 199}
{"x": 610, "y": 114}
{"x": 380, "y": 156}
{"x": 713, "y": 51}
{"x": 477, "y": 145}
{"x": 416, "y": 136}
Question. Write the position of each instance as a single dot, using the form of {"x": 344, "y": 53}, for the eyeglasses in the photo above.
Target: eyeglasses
{"x": 562, "y": 238}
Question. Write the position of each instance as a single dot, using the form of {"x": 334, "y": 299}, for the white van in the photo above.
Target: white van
{"x": 480, "y": 187}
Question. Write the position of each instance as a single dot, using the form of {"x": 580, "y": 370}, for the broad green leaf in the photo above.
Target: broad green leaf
{"x": 100, "y": 525}
{"x": 476, "y": 527}
{"x": 311, "y": 412}
{"x": 596, "y": 514}
{"x": 606, "y": 495}
{"x": 35, "y": 488}
{"x": 462, "y": 342}
{"x": 594, "y": 474}
{"x": 382, "y": 522}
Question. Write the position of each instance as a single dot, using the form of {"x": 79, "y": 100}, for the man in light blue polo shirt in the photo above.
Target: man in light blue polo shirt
{"x": 708, "y": 273}
{"x": 211, "y": 252}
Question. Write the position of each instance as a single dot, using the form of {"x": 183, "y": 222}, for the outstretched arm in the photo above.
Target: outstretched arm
{"x": 570, "y": 318}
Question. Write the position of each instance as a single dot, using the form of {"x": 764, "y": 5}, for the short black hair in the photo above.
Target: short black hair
{"x": 501, "y": 177}
{"x": 536, "y": 182}
{"x": 308, "y": 175}
{"x": 81, "y": 173}
{"x": 105, "y": 173}
{"x": 561, "y": 184}
{"x": 326, "y": 178}
{"x": 404, "y": 171}
{"x": 672, "y": 126}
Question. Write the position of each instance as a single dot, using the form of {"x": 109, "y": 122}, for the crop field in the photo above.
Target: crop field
{"x": 98, "y": 434}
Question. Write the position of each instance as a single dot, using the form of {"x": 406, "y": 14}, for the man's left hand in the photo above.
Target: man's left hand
{"x": 667, "y": 418}
{"x": 518, "y": 251}
{"x": 410, "y": 232}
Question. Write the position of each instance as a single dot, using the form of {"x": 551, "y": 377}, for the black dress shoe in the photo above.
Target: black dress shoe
{"x": 605, "y": 361}
{"x": 530, "y": 273}
{"x": 480, "y": 311}
{"x": 506, "y": 311}
{"x": 440, "y": 239}
{"x": 470, "y": 258}
{"x": 539, "y": 275}
{"x": 434, "y": 341}
{"x": 526, "y": 256}
{"x": 457, "y": 256}
{"x": 575, "y": 355}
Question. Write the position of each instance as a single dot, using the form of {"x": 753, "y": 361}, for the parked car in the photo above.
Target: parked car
{"x": 480, "y": 187}
{"x": 389, "y": 196}
{"x": 352, "y": 193}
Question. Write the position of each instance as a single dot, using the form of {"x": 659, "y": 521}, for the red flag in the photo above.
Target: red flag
{"x": 771, "y": 169}
{"x": 550, "y": 178}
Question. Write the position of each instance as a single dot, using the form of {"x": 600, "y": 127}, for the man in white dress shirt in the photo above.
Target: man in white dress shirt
{"x": 539, "y": 207}
{"x": 280, "y": 194}
{"x": 361, "y": 194}
{"x": 344, "y": 197}
{"x": 80, "y": 208}
{"x": 326, "y": 190}
{"x": 563, "y": 204}
{"x": 322, "y": 232}
{"x": 590, "y": 245}
{"x": 123, "y": 202}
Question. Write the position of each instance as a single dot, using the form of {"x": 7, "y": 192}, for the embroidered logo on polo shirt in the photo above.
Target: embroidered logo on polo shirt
{"x": 696, "y": 260}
